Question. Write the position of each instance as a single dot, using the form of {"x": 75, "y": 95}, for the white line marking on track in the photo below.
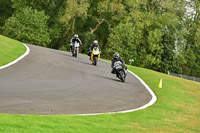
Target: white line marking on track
{"x": 153, "y": 100}
{"x": 18, "y": 59}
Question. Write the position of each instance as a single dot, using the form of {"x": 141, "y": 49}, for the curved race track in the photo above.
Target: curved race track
{"x": 52, "y": 82}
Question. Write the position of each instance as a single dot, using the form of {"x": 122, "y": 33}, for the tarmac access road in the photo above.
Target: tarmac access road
{"x": 48, "y": 82}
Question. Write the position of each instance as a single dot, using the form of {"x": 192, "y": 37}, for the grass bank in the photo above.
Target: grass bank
{"x": 10, "y": 50}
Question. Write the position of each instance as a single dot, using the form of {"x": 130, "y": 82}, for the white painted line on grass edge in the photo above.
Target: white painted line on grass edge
{"x": 18, "y": 59}
{"x": 153, "y": 100}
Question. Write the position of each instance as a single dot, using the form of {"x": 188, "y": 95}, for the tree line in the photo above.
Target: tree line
{"x": 162, "y": 35}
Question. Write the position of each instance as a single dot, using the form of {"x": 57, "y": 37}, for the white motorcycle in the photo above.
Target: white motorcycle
{"x": 75, "y": 49}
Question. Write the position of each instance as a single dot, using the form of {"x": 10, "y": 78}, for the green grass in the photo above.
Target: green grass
{"x": 10, "y": 50}
{"x": 177, "y": 109}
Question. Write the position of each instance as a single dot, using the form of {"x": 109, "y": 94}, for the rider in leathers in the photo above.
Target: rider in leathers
{"x": 117, "y": 58}
{"x": 75, "y": 39}
{"x": 94, "y": 44}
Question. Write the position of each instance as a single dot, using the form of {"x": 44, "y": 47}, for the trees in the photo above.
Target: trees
{"x": 29, "y": 26}
{"x": 192, "y": 45}
{"x": 4, "y": 12}
{"x": 52, "y": 8}
{"x": 156, "y": 34}
{"x": 74, "y": 9}
{"x": 147, "y": 37}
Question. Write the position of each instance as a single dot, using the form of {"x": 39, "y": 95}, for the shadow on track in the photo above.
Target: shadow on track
{"x": 104, "y": 77}
{"x": 66, "y": 54}
{"x": 85, "y": 63}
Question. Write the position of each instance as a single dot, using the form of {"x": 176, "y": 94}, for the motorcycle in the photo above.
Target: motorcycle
{"x": 120, "y": 71}
{"x": 95, "y": 55}
{"x": 75, "y": 49}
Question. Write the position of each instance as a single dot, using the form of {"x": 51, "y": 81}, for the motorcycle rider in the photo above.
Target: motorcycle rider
{"x": 115, "y": 59}
{"x": 94, "y": 44}
{"x": 73, "y": 40}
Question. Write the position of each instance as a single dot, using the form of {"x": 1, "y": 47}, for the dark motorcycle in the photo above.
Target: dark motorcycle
{"x": 120, "y": 71}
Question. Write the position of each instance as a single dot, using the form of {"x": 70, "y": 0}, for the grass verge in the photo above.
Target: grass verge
{"x": 176, "y": 110}
{"x": 10, "y": 50}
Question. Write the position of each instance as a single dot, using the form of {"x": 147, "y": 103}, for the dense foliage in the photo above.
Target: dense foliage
{"x": 162, "y": 35}
{"x": 28, "y": 25}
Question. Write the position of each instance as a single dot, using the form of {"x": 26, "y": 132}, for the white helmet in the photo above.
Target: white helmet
{"x": 95, "y": 42}
{"x": 76, "y": 35}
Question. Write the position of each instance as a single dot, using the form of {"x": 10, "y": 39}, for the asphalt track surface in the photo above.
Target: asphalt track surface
{"x": 48, "y": 82}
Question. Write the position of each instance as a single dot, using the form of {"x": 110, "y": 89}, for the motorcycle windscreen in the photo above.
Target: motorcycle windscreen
{"x": 76, "y": 44}
{"x": 118, "y": 65}
{"x": 95, "y": 51}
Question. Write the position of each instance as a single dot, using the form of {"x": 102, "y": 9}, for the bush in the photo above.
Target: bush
{"x": 29, "y": 26}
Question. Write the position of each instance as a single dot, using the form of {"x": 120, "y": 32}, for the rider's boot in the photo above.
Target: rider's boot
{"x": 112, "y": 71}
{"x": 70, "y": 48}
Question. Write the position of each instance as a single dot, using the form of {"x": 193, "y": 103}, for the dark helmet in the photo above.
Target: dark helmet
{"x": 76, "y": 36}
{"x": 116, "y": 55}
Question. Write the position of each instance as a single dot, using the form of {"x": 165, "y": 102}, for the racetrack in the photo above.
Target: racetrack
{"x": 49, "y": 81}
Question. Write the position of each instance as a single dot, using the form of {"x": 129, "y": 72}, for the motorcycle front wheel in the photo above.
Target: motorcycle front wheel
{"x": 95, "y": 60}
{"x": 72, "y": 52}
{"x": 122, "y": 77}
{"x": 76, "y": 53}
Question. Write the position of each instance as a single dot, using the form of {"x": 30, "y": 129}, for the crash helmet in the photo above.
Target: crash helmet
{"x": 116, "y": 55}
{"x": 76, "y": 36}
{"x": 95, "y": 42}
